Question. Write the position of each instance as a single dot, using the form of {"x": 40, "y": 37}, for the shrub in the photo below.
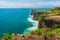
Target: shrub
{"x": 5, "y": 36}
{"x": 12, "y": 35}
{"x": 49, "y": 33}
{"x": 39, "y": 31}
{"x": 58, "y": 31}
{"x": 56, "y": 26}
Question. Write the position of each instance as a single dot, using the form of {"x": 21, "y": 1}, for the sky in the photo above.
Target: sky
{"x": 29, "y": 3}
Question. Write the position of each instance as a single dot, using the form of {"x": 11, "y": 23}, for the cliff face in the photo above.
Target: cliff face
{"x": 51, "y": 17}
{"x": 53, "y": 12}
{"x": 37, "y": 13}
{"x": 50, "y": 21}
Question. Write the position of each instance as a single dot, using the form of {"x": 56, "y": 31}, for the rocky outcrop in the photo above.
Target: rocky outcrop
{"x": 37, "y": 13}
{"x": 50, "y": 21}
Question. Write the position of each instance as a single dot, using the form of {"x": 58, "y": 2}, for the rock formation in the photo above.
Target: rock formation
{"x": 50, "y": 21}
{"x": 37, "y": 13}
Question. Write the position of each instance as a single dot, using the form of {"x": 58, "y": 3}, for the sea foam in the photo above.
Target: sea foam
{"x": 34, "y": 27}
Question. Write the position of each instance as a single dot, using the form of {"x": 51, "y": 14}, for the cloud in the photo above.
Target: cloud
{"x": 49, "y": 3}
{"x": 7, "y": 4}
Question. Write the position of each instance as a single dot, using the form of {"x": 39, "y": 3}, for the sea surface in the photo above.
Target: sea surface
{"x": 15, "y": 20}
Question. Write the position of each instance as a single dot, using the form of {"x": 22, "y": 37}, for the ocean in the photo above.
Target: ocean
{"x": 15, "y": 20}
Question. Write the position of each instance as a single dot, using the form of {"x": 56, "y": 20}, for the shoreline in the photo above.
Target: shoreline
{"x": 34, "y": 27}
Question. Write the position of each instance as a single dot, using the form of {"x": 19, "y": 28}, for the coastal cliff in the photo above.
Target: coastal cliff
{"x": 37, "y": 13}
{"x": 52, "y": 20}
{"x": 40, "y": 15}
{"x": 48, "y": 26}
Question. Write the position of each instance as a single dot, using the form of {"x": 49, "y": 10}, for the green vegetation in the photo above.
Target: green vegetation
{"x": 58, "y": 31}
{"x": 50, "y": 33}
{"x": 12, "y": 35}
{"x": 41, "y": 17}
{"x": 39, "y": 31}
{"x": 55, "y": 26}
{"x": 6, "y": 36}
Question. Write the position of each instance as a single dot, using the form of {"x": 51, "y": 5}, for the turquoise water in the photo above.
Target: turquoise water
{"x": 14, "y": 20}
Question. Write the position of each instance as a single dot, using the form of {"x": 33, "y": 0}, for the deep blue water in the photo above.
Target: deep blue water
{"x": 14, "y": 20}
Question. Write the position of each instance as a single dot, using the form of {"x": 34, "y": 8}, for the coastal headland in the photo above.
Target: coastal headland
{"x": 48, "y": 26}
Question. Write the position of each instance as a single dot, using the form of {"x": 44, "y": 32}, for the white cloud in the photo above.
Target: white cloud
{"x": 7, "y": 4}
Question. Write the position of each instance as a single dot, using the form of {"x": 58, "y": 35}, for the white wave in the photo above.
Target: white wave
{"x": 35, "y": 25}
